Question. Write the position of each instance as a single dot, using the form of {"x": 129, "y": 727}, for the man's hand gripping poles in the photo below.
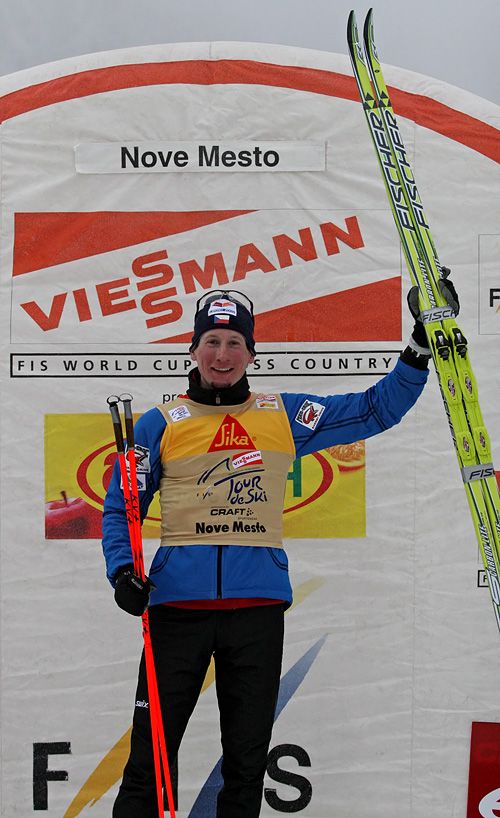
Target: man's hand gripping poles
{"x": 128, "y": 473}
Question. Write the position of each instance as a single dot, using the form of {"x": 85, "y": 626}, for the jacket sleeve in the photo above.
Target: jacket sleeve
{"x": 318, "y": 421}
{"x": 148, "y": 433}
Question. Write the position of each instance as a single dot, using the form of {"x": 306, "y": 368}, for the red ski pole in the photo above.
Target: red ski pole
{"x": 128, "y": 470}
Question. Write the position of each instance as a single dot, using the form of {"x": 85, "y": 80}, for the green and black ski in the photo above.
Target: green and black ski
{"x": 447, "y": 343}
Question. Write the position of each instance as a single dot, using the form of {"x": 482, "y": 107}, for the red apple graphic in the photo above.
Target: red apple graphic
{"x": 66, "y": 518}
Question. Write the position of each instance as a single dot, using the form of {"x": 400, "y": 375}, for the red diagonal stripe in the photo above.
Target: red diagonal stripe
{"x": 44, "y": 239}
{"x": 424, "y": 111}
{"x": 365, "y": 313}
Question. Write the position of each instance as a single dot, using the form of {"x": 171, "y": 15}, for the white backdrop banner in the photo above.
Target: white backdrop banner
{"x": 392, "y": 649}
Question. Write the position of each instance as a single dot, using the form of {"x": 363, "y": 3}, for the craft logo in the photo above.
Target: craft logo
{"x": 309, "y": 414}
{"x": 231, "y": 435}
{"x": 484, "y": 771}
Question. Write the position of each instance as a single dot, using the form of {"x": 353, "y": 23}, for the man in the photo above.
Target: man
{"x": 219, "y": 457}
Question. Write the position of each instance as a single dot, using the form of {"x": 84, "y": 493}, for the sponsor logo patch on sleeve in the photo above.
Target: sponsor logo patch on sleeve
{"x": 141, "y": 482}
{"x": 179, "y": 413}
{"x": 309, "y": 414}
{"x": 142, "y": 461}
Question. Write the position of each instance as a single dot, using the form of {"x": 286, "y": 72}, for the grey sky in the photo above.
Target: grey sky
{"x": 457, "y": 43}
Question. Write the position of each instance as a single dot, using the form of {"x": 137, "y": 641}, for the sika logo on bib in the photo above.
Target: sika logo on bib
{"x": 231, "y": 435}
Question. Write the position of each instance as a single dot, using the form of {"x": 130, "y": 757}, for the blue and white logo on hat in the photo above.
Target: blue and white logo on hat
{"x": 222, "y": 307}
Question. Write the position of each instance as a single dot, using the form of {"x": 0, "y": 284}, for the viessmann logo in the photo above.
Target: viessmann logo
{"x": 107, "y": 284}
{"x": 246, "y": 459}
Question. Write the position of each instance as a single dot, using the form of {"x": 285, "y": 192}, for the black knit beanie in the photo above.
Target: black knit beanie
{"x": 224, "y": 312}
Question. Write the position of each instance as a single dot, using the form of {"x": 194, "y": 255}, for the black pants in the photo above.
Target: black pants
{"x": 247, "y": 645}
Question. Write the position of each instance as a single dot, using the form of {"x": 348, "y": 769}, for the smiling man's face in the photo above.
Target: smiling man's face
{"x": 222, "y": 357}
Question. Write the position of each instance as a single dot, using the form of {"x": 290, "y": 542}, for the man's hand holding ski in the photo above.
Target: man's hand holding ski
{"x": 419, "y": 341}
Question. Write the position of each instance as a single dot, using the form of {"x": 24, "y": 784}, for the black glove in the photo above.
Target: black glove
{"x": 449, "y": 293}
{"x": 132, "y": 592}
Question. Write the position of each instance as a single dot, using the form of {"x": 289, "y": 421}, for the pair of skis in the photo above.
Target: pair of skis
{"x": 128, "y": 471}
{"x": 447, "y": 343}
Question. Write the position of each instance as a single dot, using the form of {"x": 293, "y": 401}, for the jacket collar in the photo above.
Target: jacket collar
{"x": 225, "y": 396}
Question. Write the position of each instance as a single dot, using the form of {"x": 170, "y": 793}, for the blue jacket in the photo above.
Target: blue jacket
{"x": 207, "y": 572}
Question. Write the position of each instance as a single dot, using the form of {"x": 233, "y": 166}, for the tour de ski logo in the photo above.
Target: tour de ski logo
{"x": 309, "y": 414}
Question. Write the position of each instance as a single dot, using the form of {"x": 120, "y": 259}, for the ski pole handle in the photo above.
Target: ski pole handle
{"x": 117, "y": 424}
{"x": 136, "y": 537}
{"x": 126, "y": 399}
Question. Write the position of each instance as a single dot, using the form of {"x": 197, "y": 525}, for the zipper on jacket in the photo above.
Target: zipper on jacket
{"x": 219, "y": 571}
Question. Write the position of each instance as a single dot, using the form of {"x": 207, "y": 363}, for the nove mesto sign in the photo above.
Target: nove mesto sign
{"x": 165, "y": 157}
